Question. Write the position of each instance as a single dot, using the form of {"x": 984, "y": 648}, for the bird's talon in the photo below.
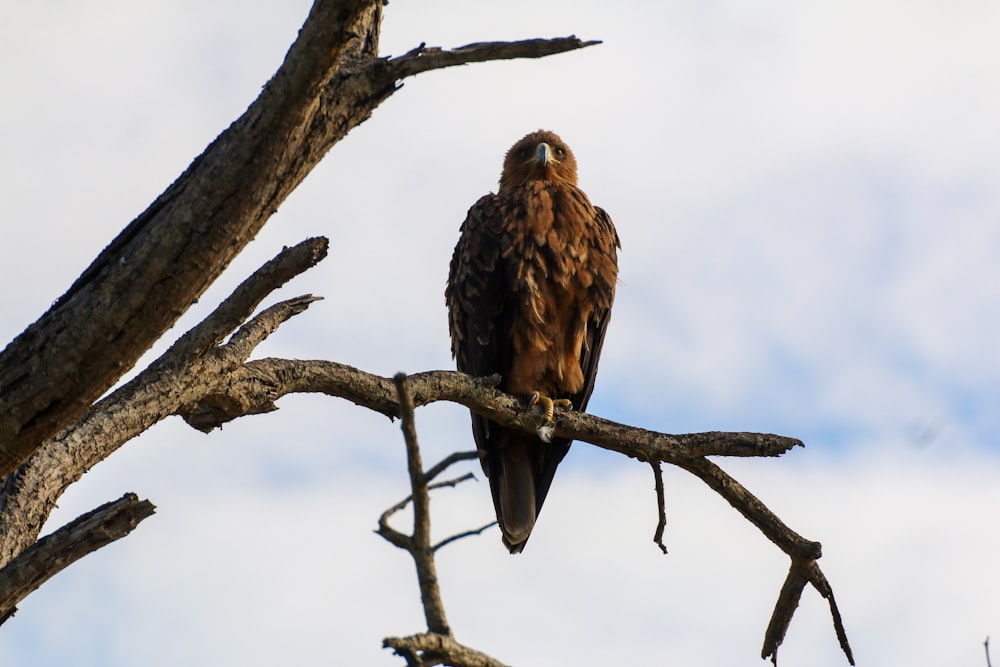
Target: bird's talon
{"x": 548, "y": 404}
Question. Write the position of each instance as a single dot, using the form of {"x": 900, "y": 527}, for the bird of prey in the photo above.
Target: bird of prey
{"x": 529, "y": 296}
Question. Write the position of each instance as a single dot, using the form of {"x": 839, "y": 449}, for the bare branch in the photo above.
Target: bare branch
{"x": 262, "y": 382}
{"x": 179, "y": 377}
{"x": 781, "y": 617}
{"x": 819, "y": 582}
{"x": 799, "y": 574}
{"x": 747, "y": 504}
{"x": 458, "y": 536}
{"x": 661, "y": 523}
{"x": 430, "y": 648}
{"x": 450, "y": 483}
{"x": 447, "y": 461}
{"x": 287, "y": 264}
{"x": 425, "y": 58}
{"x": 420, "y": 545}
{"x": 55, "y": 552}
{"x": 437, "y": 646}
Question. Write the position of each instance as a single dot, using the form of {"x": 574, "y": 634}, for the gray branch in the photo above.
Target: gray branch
{"x": 184, "y": 373}
{"x": 430, "y": 649}
{"x": 256, "y": 386}
{"x": 53, "y": 553}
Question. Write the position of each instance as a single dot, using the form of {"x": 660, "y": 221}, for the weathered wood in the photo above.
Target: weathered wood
{"x": 53, "y": 553}
{"x": 192, "y": 366}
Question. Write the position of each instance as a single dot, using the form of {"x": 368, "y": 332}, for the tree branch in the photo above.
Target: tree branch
{"x": 425, "y": 58}
{"x": 185, "y": 372}
{"x": 458, "y": 536}
{"x": 661, "y": 522}
{"x": 756, "y": 512}
{"x": 420, "y": 542}
{"x": 261, "y": 382}
{"x": 255, "y": 386}
{"x": 437, "y": 646}
{"x": 446, "y": 462}
{"x": 429, "y": 649}
{"x": 55, "y": 552}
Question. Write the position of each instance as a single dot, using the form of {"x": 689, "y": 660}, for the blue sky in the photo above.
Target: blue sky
{"x": 808, "y": 197}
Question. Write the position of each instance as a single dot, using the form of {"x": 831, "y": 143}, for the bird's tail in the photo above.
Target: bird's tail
{"x": 517, "y": 494}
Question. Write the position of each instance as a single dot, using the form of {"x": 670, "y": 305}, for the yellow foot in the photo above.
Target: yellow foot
{"x": 549, "y": 404}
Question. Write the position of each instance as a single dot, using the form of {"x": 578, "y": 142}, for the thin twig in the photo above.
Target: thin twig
{"x": 455, "y": 457}
{"x": 459, "y": 536}
{"x": 819, "y": 582}
{"x": 451, "y": 483}
{"x": 420, "y": 549}
{"x": 405, "y": 541}
{"x": 986, "y": 645}
{"x": 401, "y": 505}
{"x": 661, "y": 523}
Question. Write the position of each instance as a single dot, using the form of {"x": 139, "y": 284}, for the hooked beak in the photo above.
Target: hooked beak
{"x": 544, "y": 155}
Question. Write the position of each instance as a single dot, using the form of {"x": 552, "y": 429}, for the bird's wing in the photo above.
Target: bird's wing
{"x": 605, "y": 246}
{"x": 604, "y": 252}
{"x": 479, "y": 312}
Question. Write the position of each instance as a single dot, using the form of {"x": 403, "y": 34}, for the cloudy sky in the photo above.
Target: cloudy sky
{"x": 808, "y": 196}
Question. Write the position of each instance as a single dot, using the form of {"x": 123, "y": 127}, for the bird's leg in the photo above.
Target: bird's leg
{"x": 549, "y": 404}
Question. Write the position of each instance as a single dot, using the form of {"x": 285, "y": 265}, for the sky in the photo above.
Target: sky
{"x": 808, "y": 197}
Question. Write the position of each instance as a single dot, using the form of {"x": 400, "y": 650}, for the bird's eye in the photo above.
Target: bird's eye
{"x": 560, "y": 152}
{"x": 525, "y": 151}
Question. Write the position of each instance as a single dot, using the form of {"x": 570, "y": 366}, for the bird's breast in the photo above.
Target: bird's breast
{"x": 552, "y": 238}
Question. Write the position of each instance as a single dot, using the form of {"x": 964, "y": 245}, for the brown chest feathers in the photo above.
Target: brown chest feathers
{"x": 559, "y": 253}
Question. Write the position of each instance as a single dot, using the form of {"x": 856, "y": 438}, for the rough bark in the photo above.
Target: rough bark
{"x": 187, "y": 370}
{"x": 50, "y": 555}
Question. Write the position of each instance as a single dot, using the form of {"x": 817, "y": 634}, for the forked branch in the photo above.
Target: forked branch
{"x": 437, "y": 646}
{"x": 263, "y": 381}
{"x": 192, "y": 367}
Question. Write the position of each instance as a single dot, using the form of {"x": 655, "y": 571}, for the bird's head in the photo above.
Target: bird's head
{"x": 540, "y": 156}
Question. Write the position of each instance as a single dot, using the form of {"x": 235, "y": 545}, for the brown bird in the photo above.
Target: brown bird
{"x": 529, "y": 295}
